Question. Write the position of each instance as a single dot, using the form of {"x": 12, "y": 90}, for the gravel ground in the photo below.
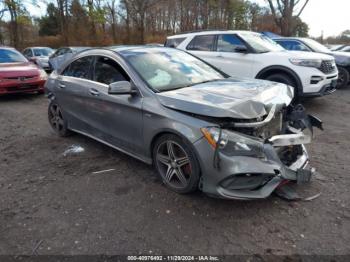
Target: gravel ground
{"x": 57, "y": 200}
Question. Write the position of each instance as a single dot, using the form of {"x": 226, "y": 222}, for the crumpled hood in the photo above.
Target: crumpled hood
{"x": 233, "y": 98}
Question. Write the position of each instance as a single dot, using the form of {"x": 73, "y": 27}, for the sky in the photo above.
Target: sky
{"x": 331, "y": 17}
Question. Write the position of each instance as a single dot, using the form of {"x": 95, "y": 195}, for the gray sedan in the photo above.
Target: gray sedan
{"x": 230, "y": 137}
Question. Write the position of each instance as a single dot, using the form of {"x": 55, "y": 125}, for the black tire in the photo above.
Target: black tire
{"x": 343, "y": 77}
{"x": 57, "y": 121}
{"x": 190, "y": 170}
{"x": 281, "y": 78}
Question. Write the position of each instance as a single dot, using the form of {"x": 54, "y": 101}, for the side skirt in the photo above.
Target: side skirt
{"x": 143, "y": 159}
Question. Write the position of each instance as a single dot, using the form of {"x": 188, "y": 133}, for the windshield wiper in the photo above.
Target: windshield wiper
{"x": 193, "y": 84}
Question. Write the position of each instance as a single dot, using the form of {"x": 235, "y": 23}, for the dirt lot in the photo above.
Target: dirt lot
{"x": 56, "y": 200}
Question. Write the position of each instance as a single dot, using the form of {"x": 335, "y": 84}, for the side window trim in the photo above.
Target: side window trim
{"x": 121, "y": 66}
{"x": 94, "y": 65}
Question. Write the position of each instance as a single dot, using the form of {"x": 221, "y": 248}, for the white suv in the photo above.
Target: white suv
{"x": 250, "y": 54}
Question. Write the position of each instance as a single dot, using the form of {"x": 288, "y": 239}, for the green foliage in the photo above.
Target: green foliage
{"x": 49, "y": 24}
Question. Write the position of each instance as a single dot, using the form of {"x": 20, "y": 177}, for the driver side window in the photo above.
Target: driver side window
{"x": 108, "y": 71}
{"x": 294, "y": 45}
{"x": 229, "y": 43}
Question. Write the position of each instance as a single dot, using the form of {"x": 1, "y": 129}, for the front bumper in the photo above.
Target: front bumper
{"x": 242, "y": 177}
{"x": 12, "y": 87}
{"x": 325, "y": 90}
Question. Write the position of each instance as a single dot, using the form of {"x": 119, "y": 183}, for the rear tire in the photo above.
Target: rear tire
{"x": 176, "y": 164}
{"x": 343, "y": 77}
{"x": 57, "y": 121}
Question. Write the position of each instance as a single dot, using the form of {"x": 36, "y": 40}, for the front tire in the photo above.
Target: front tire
{"x": 343, "y": 77}
{"x": 176, "y": 164}
{"x": 56, "y": 120}
{"x": 281, "y": 78}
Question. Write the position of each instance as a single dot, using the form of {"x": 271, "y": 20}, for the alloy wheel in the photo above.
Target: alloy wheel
{"x": 174, "y": 164}
{"x": 56, "y": 118}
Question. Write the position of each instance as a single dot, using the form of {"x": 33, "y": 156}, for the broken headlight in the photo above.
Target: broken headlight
{"x": 233, "y": 144}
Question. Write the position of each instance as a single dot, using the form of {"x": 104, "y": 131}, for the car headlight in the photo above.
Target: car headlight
{"x": 306, "y": 62}
{"x": 233, "y": 144}
{"x": 42, "y": 75}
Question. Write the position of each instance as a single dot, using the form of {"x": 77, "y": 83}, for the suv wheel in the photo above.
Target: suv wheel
{"x": 343, "y": 77}
{"x": 176, "y": 164}
{"x": 281, "y": 78}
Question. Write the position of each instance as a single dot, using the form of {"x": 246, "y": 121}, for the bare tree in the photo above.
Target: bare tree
{"x": 285, "y": 13}
{"x": 63, "y": 14}
{"x": 112, "y": 9}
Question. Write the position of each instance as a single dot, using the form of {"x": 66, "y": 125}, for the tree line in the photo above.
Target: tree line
{"x": 111, "y": 22}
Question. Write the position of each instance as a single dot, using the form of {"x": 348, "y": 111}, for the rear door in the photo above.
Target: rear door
{"x": 71, "y": 91}
{"x": 116, "y": 119}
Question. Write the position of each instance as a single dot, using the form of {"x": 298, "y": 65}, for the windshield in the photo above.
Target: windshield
{"x": 260, "y": 43}
{"x": 11, "y": 56}
{"x": 42, "y": 51}
{"x": 168, "y": 69}
{"x": 316, "y": 46}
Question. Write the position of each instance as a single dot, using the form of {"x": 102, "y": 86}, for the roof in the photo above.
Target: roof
{"x": 212, "y": 32}
{"x": 135, "y": 48}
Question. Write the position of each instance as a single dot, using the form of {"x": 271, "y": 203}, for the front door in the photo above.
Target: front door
{"x": 116, "y": 119}
{"x": 231, "y": 57}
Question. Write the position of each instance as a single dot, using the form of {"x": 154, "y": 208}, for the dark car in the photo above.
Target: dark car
{"x": 18, "y": 75}
{"x": 230, "y": 137}
{"x": 342, "y": 59}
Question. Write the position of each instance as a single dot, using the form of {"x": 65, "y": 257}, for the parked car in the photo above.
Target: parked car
{"x": 249, "y": 54}
{"x": 39, "y": 56}
{"x": 345, "y": 48}
{"x": 230, "y": 137}
{"x": 18, "y": 75}
{"x": 342, "y": 59}
{"x": 330, "y": 47}
{"x": 62, "y": 54}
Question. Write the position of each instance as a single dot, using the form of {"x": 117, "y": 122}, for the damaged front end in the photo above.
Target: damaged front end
{"x": 251, "y": 158}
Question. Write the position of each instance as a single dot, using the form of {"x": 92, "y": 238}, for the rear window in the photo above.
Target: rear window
{"x": 174, "y": 42}
{"x": 11, "y": 56}
{"x": 202, "y": 43}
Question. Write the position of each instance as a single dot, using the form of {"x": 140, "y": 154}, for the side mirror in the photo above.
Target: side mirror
{"x": 121, "y": 88}
{"x": 241, "y": 49}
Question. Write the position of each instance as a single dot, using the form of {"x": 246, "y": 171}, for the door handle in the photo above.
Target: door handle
{"x": 94, "y": 92}
{"x": 61, "y": 85}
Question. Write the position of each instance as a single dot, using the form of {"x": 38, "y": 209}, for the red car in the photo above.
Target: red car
{"x": 18, "y": 75}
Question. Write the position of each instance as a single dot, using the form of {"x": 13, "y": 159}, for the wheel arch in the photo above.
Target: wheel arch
{"x": 284, "y": 70}
{"x": 164, "y": 132}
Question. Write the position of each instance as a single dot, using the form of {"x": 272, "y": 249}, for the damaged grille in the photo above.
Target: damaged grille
{"x": 289, "y": 154}
{"x": 327, "y": 67}
{"x": 272, "y": 128}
